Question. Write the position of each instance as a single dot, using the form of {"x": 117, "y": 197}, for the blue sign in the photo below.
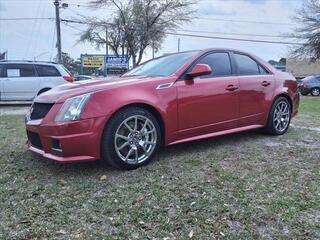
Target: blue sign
{"x": 112, "y": 61}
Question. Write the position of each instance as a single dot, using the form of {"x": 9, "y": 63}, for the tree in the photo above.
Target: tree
{"x": 137, "y": 25}
{"x": 309, "y": 30}
{"x": 70, "y": 63}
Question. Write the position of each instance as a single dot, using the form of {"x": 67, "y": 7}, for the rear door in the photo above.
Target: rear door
{"x": 21, "y": 82}
{"x": 49, "y": 75}
{"x": 256, "y": 86}
{"x": 209, "y": 103}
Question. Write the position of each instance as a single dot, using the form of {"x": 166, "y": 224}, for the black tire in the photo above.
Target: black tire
{"x": 315, "y": 92}
{"x": 108, "y": 143}
{"x": 304, "y": 93}
{"x": 43, "y": 91}
{"x": 271, "y": 127}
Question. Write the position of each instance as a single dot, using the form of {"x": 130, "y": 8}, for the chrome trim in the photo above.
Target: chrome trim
{"x": 164, "y": 86}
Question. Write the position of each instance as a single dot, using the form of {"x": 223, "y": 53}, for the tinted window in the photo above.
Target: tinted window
{"x": 219, "y": 63}
{"x": 246, "y": 65}
{"x": 47, "y": 71}
{"x": 20, "y": 70}
{"x": 262, "y": 70}
{"x": 163, "y": 66}
{"x": 1, "y": 70}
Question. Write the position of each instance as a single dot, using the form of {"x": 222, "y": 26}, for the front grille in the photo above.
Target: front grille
{"x": 34, "y": 139}
{"x": 40, "y": 110}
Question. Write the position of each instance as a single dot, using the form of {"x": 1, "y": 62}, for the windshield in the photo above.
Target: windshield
{"x": 163, "y": 66}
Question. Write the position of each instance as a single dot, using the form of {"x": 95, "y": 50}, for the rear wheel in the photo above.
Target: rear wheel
{"x": 131, "y": 138}
{"x": 279, "y": 117}
{"x": 315, "y": 92}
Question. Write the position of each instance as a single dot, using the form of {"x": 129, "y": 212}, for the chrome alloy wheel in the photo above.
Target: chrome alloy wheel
{"x": 135, "y": 139}
{"x": 281, "y": 116}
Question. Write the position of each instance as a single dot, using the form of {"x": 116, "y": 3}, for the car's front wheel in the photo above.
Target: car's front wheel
{"x": 279, "y": 117}
{"x": 315, "y": 92}
{"x": 131, "y": 138}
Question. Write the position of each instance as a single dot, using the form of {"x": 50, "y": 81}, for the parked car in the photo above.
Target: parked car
{"x": 169, "y": 100}
{"x": 23, "y": 80}
{"x": 311, "y": 85}
{"x": 83, "y": 78}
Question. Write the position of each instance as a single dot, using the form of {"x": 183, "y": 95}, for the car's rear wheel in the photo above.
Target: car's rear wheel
{"x": 315, "y": 92}
{"x": 279, "y": 117}
{"x": 131, "y": 138}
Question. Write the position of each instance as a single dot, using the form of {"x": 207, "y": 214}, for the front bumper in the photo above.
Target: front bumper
{"x": 66, "y": 142}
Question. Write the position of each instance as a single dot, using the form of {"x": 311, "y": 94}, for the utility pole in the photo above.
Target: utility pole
{"x": 107, "y": 54}
{"x": 107, "y": 46}
{"x": 57, "y": 6}
{"x": 153, "y": 50}
{"x": 178, "y": 44}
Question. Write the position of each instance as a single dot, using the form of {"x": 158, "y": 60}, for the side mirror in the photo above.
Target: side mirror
{"x": 200, "y": 70}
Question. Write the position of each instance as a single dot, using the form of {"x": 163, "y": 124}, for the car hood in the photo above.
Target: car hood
{"x": 61, "y": 93}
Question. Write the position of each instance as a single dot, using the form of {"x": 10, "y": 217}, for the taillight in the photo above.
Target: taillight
{"x": 68, "y": 78}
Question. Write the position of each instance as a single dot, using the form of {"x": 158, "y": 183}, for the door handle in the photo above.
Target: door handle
{"x": 231, "y": 88}
{"x": 265, "y": 83}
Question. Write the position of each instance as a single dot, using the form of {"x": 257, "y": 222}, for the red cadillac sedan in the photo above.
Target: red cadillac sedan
{"x": 169, "y": 100}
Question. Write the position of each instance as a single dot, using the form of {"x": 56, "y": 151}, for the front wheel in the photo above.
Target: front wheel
{"x": 279, "y": 117}
{"x": 131, "y": 138}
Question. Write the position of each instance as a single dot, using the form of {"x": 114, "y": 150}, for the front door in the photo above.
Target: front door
{"x": 209, "y": 103}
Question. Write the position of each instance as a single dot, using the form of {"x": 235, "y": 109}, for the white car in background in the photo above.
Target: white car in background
{"x": 24, "y": 80}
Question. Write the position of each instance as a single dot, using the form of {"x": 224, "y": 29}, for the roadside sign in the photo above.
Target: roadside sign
{"x": 117, "y": 64}
{"x": 113, "y": 61}
{"x": 92, "y": 61}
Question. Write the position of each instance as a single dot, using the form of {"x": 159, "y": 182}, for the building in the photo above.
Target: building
{"x": 301, "y": 68}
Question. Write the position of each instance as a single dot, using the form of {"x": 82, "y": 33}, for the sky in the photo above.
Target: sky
{"x": 35, "y": 39}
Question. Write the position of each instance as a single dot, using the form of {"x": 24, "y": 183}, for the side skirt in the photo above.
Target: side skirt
{"x": 215, "y": 134}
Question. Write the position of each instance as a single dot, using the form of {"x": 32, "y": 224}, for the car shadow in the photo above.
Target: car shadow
{"x": 100, "y": 167}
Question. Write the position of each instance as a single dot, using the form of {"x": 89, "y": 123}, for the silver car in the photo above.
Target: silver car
{"x": 23, "y": 80}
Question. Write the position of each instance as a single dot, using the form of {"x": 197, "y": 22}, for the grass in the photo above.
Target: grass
{"x": 241, "y": 186}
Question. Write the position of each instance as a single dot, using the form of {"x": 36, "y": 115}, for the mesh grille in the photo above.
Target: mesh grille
{"x": 40, "y": 110}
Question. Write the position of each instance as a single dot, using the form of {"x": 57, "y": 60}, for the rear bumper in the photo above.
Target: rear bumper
{"x": 66, "y": 142}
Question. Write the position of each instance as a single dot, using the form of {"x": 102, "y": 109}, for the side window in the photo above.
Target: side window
{"x": 1, "y": 71}
{"x": 246, "y": 65}
{"x": 20, "y": 70}
{"x": 47, "y": 71}
{"x": 219, "y": 63}
{"x": 262, "y": 70}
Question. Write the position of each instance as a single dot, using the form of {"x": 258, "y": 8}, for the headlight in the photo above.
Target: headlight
{"x": 72, "y": 108}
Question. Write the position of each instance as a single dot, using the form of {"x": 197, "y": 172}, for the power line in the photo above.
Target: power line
{"x": 35, "y": 21}
{"x": 233, "y": 39}
{"x": 24, "y": 19}
{"x": 198, "y": 36}
{"x": 236, "y": 34}
{"x": 245, "y": 21}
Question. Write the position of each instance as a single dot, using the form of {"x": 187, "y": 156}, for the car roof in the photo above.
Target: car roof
{"x": 27, "y": 62}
